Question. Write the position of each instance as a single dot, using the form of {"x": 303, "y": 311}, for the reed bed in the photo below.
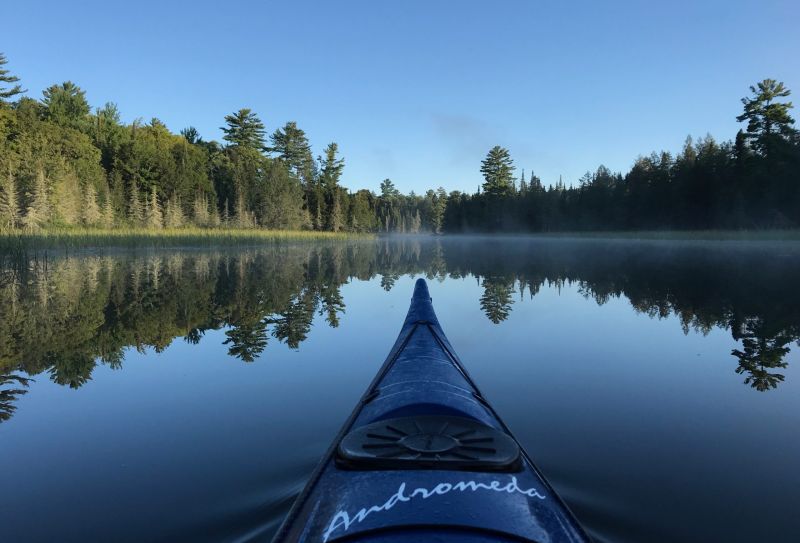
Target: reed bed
{"x": 80, "y": 238}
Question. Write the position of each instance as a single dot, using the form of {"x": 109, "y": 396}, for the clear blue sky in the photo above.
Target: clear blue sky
{"x": 419, "y": 91}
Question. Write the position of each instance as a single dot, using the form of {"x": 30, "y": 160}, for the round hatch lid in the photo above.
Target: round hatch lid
{"x": 428, "y": 442}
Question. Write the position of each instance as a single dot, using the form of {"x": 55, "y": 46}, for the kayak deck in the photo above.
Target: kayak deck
{"x": 424, "y": 457}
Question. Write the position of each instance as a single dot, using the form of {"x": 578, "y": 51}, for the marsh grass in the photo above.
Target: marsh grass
{"x": 79, "y": 238}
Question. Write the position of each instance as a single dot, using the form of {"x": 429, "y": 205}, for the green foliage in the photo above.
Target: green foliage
{"x": 281, "y": 199}
{"x": 768, "y": 121}
{"x": 9, "y": 203}
{"x": 331, "y": 168}
{"x": 66, "y": 105}
{"x": 498, "y": 172}
{"x": 243, "y": 128}
{"x": 293, "y": 149}
{"x": 191, "y": 135}
{"x": 153, "y": 217}
{"x": 62, "y": 166}
{"x": 64, "y": 315}
{"x": 6, "y": 78}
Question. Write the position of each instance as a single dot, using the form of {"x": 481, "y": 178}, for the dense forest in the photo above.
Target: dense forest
{"x": 66, "y": 315}
{"x": 63, "y": 164}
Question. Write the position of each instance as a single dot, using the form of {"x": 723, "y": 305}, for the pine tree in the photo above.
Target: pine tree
{"x": 523, "y": 185}
{"x": 497, "y": 169}
{"x": 173, "y": 215}
{"x": 66, "y": 105}
{"x": 244, "y": 129}
{"x": 9, "y": 204}
{"x": 200, "y": 211}
{"x": 535, "y": 183}
{"x": 108, "y": 211}
{"x": 244, "y": 218}
{"x": 416, "y": 223}
{"x": 213, "y": 217}
{"x": 331, "y": 169}
{"x": 226, "y": 214}
{"x": 335, "y": 214}
{"x": 135, "y": 211}
{"x": 91, "y": 211}
{"x": 153, "y": 216}
{"x": 5, "y": 77}
{"x": 191, "y": 135}
{"x": 768, "y": 121}
{"x": 65, "y": 207}
{"x": 37, "y": 214}
{"x": 439, "y": 208}
{"x": 292, "y": 147}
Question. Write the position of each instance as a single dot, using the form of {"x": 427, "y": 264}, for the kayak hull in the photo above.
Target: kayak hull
{"x": 424, "y": 457}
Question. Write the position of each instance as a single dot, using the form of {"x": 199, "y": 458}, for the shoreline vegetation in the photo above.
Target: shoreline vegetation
{"x": 87, "y": 238}
{"x": 65, "y": 165}
{"x": 21, "y": 241}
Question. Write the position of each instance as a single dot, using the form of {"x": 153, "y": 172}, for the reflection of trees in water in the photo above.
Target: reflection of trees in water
{"x": 9, "y": 393}
{"x": 496, "y": 298}
{"x": 65, "y": 315}
{"x": 762, "y": 350}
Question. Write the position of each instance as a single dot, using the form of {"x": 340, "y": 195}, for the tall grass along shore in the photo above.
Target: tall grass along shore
{"x": 68, "y": 238}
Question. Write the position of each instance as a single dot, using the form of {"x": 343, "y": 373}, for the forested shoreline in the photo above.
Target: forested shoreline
{"x": 64, "y": 165}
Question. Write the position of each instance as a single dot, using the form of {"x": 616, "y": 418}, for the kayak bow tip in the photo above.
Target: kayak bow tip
{"x": 421, "y": 290}
{"x": 421, "y": 309}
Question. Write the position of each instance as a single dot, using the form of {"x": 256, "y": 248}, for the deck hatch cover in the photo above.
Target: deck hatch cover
{"x": 428, "y": 442}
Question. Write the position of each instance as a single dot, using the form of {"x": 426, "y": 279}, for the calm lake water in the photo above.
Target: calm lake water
{"x": 187, "y": 395}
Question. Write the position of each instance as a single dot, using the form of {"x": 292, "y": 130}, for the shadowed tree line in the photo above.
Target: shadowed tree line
{"x": 63, "y": 164}
{"x": 750, "y": 182}
{"x": 65, "y": 315}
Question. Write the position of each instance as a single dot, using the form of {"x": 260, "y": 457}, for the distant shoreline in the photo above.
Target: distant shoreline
{"x": 667, "y": 235}
{"x": 83, "y": 238}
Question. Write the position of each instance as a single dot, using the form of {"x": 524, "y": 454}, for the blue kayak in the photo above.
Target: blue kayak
{"x": 424, "y": 457}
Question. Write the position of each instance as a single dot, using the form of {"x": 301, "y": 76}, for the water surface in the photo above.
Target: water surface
{"x": 187, "y": 395}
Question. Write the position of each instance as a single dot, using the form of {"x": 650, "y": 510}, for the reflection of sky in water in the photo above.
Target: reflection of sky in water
{"x": 633, "y": 421}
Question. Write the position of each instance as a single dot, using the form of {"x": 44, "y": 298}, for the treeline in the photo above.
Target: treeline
{"x": 751, "y": 182}
{"x": 62, "y": 164}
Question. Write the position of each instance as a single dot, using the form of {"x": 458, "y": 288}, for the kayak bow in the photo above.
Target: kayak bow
{"x": 424, "y": 457}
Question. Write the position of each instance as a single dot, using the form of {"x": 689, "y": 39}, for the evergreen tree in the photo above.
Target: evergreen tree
{"x": 153, "y": 216}
{"x": 416, "y": 222}
{"x": 108, "y": 218}
{"x": 243, "y": 217}
{"x": 66, "y": 104}
{"x": 9, "y": 204}
{"x": 523, "y": 185}
{"x": 292, "y": 147}
{"x": 535, "y": 183}
{"x": 191, "y": 135}
{"x": 91, "y": 214}
{"x": 331, "y": 169}
{"x": 201, "y": 215}
{"x": 334, "y": 223}
{"x": 37, "y": 213}
{"x": 244, "y": 128}
{"x": 6, "y": 79}
{"x": 768, "y": 121}
{"x": 226, "y": 214}
{"x": 173, "y": 213}
{"x": 135, "y": 211}
{"x": 497, "y": 169}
